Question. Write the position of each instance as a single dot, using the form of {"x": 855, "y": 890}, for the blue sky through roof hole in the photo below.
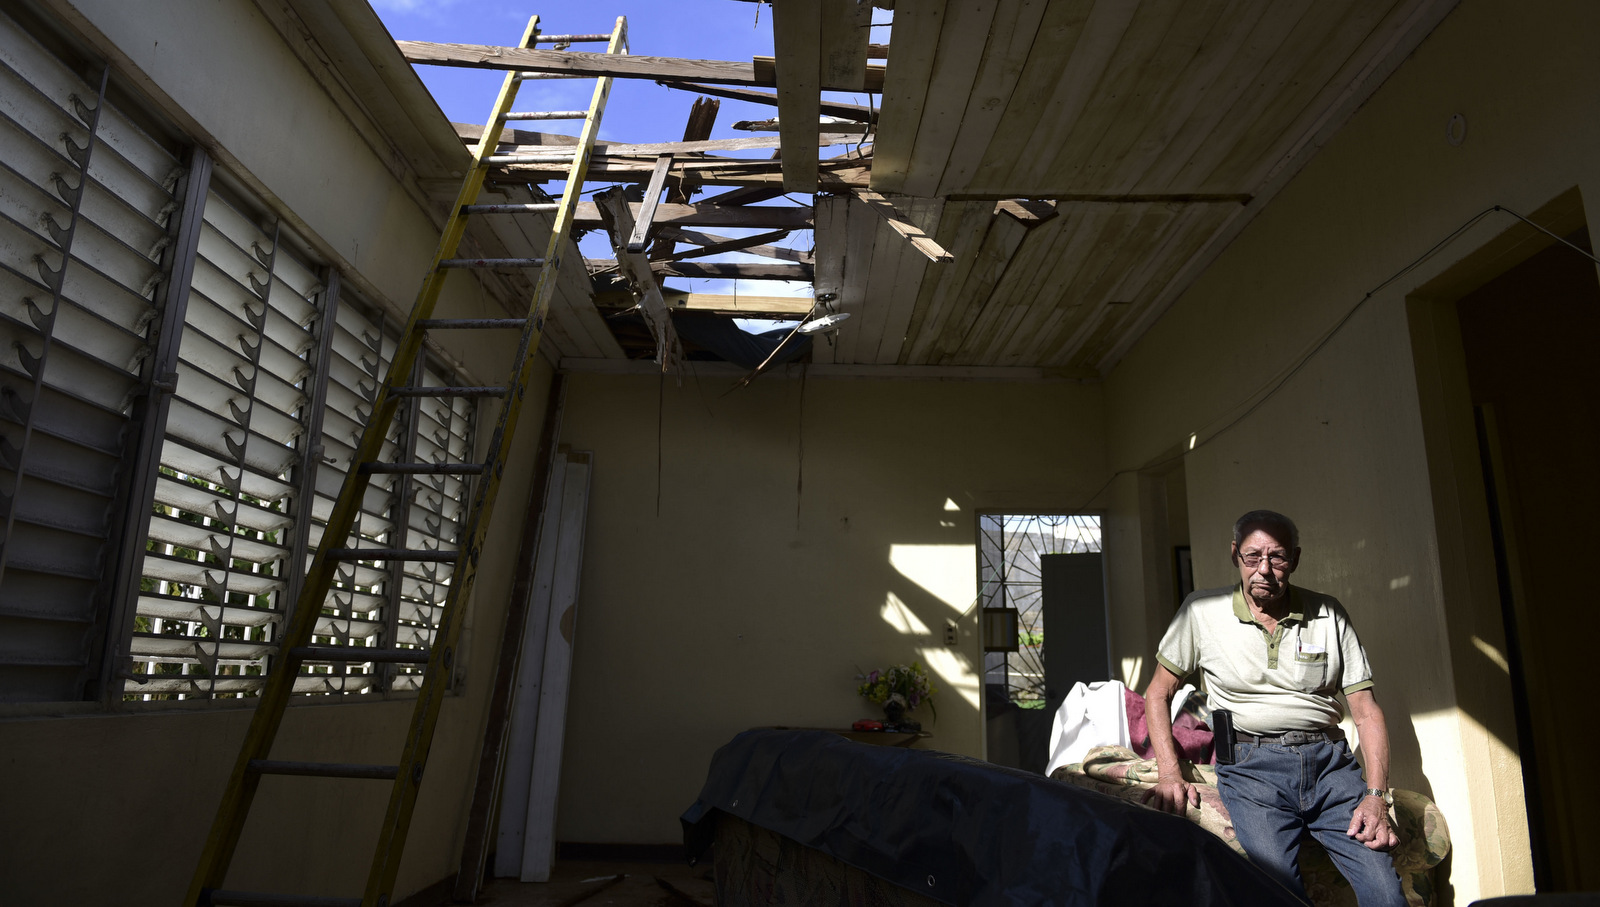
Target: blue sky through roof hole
{"x": 638, "y": 110}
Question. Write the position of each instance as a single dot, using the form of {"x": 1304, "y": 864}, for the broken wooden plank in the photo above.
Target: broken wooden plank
{"x": 618, "y": 149}
{"x": 702, "y": 117}
{"x": 855, "y": 112}
{"x": 750, "y": 245}
{"x": 743, "y": 270}
{"x": 704, "y": 215}
{"x": 709, "y": 240}
{"x": 797, "y": 40}
{"x": 1028, "y": 212}
{"x": 636, "y": 270}
{"x": 765, "y": 69}
{"x": 913, "y": 234}
{"x": 720, "y": 270}
{"x": 841, "y": 177}
{"x": 652, "y": 199}
{"x": 835, "y": 128}
{"x": 846, "y": 29}
{"x": 618, "y": 66}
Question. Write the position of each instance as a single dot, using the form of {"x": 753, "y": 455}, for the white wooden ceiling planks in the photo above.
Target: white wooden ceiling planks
{"x": 915, "y": 39}
{"x": 1012, "y": 33}
{"x": 1053, "y": 98}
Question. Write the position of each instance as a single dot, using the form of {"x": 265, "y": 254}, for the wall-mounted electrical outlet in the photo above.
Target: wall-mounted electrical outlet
{"x": 950, "y": 633}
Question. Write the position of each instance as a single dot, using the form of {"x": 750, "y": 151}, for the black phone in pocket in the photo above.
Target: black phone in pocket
{"x": 1223, "y": 741}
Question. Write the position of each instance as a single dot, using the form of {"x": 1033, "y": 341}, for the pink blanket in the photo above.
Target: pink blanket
{"x": 1194, "y": 738}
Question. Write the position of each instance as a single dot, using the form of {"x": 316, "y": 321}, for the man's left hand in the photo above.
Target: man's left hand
{"x": 1370, "y": 825}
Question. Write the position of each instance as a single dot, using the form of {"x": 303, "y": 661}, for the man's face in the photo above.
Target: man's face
{"x": 1268, "y": 580}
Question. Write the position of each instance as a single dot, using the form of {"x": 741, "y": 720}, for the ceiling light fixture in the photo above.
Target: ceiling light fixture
{"x": 825, "y": 323}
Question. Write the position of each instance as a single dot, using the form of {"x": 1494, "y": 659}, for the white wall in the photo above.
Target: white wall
{"x": 1341, "y": 447}
{"x": 748, "y": 602}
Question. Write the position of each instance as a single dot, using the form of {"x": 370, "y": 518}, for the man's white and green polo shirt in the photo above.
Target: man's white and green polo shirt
{"x": 1274, "y": 683}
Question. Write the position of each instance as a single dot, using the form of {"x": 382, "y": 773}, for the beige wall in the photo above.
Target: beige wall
{"x": 746, "y": 603}
{"x": 113, "y": 808}
{"x": 1341, "y": 447}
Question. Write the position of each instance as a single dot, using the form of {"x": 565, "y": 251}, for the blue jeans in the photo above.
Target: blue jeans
{"x": 1276, "y": 793}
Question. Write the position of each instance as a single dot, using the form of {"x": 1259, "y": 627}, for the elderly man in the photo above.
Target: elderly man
{"x": 1274, "y": 655}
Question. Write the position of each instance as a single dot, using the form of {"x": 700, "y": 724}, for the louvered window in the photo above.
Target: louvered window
{"x": 272, "y": 397}
{"x": 87, "y": 209}
{"x": 217, "y": 568}
{"x": 182, "y": 387}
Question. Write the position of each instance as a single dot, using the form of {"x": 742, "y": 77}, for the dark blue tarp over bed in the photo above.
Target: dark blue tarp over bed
{"x": 963, "y": 831}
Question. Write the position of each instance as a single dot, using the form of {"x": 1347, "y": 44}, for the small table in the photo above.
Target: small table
{"x": 875, "y": 738}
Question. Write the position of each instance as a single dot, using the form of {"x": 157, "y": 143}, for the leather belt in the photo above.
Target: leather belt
{"x": 1293, "y": 738}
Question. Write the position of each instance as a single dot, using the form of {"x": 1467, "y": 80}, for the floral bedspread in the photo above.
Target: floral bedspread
{"x": 1424, "y": 838}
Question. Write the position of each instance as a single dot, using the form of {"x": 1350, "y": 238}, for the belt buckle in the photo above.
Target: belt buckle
{"x": 1299, "y": 738}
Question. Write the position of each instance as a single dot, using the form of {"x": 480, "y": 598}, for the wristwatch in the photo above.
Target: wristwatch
{"x": 1382, "y": 793}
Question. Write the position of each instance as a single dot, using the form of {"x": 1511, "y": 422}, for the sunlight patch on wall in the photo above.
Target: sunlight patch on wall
{"x": 1131, "y": 669}
{"x": 897, "y": 615}
{"x": 1492, "y": 653}
{"x": 953, "y": 675}
{"x": 950, "y": 504}
{"x": 947, "y": 572}
{"x": 1399, "y": 582}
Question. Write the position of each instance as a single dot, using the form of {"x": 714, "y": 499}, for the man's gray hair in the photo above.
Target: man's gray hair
{"x": 1270, "y": 520}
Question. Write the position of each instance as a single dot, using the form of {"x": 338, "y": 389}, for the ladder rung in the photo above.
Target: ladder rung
{"x": 573, "y": 39}
{"x": 448, "y": 391}
{"x": 434, "y": 324}
{"x": 534, "y": 208}
{"x": 325, "y": 769}
{"x": 423, "y": 469}
{"x": 392, "y": 554}
{"x": 492, "y": 263}
{"x": 359, "y": 654}
{"x": 223, "y": 898}
{"x": 546, "y": 158}
{"x": 550, "y": 115}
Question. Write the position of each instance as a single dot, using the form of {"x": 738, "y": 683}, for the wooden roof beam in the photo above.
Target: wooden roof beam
{"x": 618, "y": 217}
{"x": 772, "y": 218}
{"x": 832, "y": 108}
{"x": 758, "y": 73}
{"x": 752, "y": 244}
{"x": 797, "y": 41}
{"x": 717, "y": 270}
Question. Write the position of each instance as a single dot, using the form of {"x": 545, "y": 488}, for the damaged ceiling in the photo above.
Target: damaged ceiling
{"x": 1033, "y": 183}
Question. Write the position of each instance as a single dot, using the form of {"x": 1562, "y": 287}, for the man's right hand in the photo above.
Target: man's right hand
{"x": 1173, "y": 795}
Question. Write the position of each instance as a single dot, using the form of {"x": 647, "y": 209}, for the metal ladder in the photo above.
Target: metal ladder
{"x": 254, "y": 758}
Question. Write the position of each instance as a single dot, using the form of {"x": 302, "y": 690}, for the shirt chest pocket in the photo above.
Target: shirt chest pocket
{"x": 1309, "y": 665}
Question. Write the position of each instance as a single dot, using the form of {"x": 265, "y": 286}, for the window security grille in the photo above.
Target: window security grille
{"x": 272, "y": 397}
{"x": 87, "y": 205}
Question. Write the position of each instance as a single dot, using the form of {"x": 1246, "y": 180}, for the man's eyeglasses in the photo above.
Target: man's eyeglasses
{"x": 1276, "y": 561}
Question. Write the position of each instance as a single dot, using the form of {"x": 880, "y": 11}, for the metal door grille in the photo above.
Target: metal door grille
{"x": 1009, "y": 575}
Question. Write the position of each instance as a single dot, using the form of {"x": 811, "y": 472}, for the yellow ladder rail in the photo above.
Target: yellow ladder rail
{"x": 211, "y": 870}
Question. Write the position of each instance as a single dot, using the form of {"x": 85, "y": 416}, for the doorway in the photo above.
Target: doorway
{"x": 1038, "y": 572}
{"x": 1528, "y": 337}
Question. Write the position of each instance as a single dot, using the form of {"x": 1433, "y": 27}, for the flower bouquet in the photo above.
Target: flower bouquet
{"x": 899, "y": 689}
